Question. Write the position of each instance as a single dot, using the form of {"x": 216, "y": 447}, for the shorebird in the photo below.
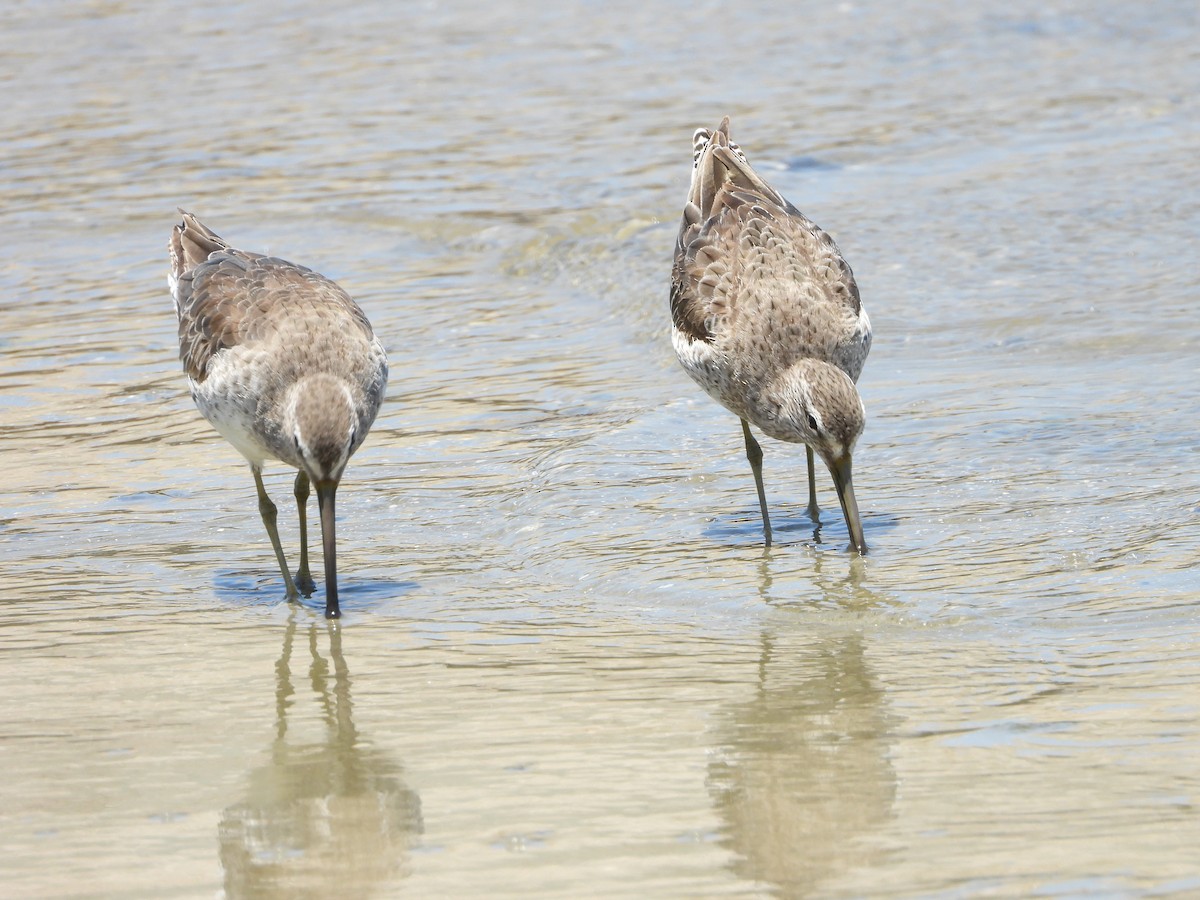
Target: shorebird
{"x": 285, "y": 366}
{"x": 767, "y": 319}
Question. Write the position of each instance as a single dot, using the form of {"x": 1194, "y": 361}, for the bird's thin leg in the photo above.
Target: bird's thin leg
{"x": 269, "y": 514}
{"x": 813, "y": 512}
{"x": 755, "y": 456}
{"x": 304, "y": 579}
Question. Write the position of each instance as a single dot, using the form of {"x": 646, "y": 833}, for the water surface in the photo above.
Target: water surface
{"x": 568, "y": 667}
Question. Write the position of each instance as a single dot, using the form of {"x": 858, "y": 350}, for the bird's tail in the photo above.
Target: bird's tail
{"x": 191, "y": 243}
{"x": 719, "y": 163}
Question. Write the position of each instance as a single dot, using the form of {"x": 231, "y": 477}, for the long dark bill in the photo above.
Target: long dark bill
{"x": 325, "y": 492}
{"x": 844, "y": 482}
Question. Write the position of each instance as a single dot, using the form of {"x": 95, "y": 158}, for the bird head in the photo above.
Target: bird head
{"x": 817, "y": 404}
{"x": 321, "y": 421}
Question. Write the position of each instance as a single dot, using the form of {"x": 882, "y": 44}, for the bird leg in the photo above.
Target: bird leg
{"x": 269, "y": 515}
{"x": 304, "y": 579}
{"x": 813, "y": 512}
{"x": 755, "y": 456}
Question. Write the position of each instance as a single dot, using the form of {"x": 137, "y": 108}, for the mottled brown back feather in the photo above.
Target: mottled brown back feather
{"x": 227, "y": 298}
{"x": 729, "y": 205}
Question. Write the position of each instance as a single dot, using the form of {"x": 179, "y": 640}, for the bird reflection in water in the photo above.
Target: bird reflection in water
{"x": 801, "y": 777}
{"x": 325, "y": 817}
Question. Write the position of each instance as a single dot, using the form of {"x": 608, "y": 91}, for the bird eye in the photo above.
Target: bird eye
{"x": 812, "y": 422}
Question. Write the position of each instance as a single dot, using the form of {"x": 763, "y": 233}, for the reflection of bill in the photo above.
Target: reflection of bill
{"x": 327, "y": 817}
{"x": 802, "y": 776}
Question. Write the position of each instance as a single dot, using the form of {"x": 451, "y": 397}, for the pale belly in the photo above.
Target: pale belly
{"x": 711, "y": 370}
{"x": 231, "y": 398}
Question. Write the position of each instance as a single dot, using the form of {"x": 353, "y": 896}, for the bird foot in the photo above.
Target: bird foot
{"x": 305, "y": 584}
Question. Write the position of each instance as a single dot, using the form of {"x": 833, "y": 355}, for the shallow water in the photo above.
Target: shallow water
{"x": 567, "y": 666}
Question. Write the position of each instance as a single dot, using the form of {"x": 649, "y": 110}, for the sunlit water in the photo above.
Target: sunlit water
{"x": 567, "y": 666}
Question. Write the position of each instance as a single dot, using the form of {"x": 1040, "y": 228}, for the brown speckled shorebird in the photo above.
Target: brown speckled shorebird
{"x": 285, "y": 366}
{"x": 767, "y": 318}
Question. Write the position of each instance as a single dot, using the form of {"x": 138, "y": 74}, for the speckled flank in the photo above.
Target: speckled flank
{"x": 766, "y": 314}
